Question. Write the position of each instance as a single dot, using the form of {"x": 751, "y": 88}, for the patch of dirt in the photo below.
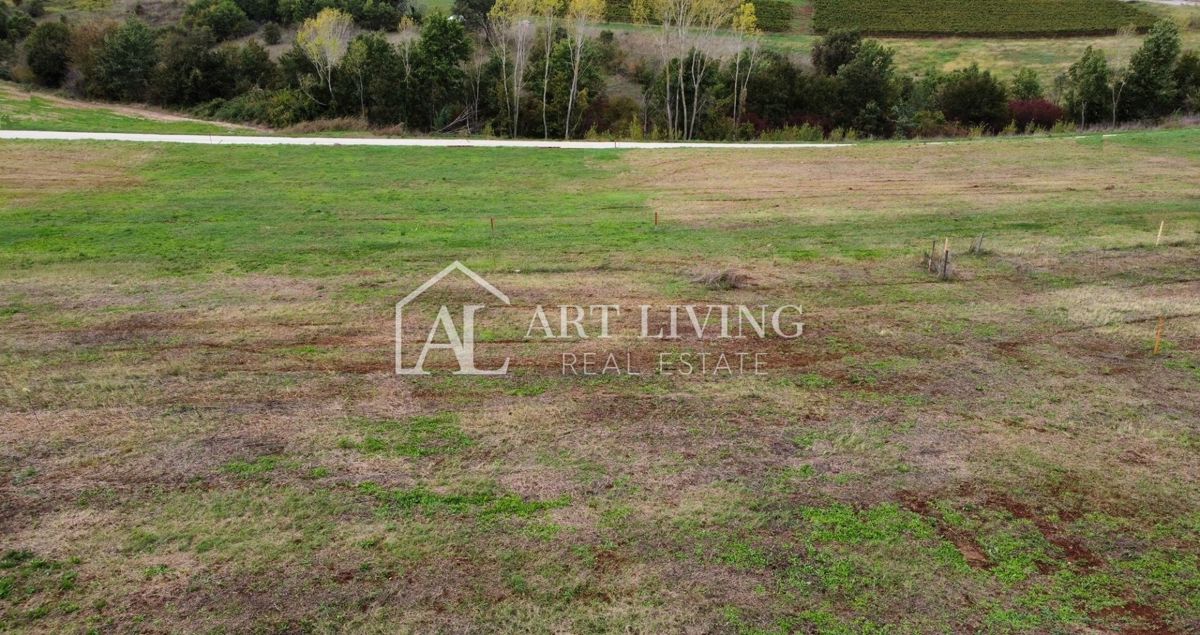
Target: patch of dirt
{"x": 964, "y": 542}
{"x": 1073, "y": 548}
{"x": 1148, "y": 620}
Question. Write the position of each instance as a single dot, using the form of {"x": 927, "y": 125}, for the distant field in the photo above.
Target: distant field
{"x": 978, "y": 17}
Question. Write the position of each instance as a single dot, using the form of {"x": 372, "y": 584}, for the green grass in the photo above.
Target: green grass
{"x": 978, "y": 17}
{"x": 417, "y": 437}
{"x": 32, "y": 112}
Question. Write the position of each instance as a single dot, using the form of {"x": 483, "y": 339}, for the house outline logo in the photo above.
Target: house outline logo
{"x": 462, "y": 346}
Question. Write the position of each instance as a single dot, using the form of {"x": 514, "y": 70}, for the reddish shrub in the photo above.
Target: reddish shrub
{"x": 1034, "y": 112}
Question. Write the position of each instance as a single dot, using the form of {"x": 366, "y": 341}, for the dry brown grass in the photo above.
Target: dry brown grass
{"x": 903, "y": 179}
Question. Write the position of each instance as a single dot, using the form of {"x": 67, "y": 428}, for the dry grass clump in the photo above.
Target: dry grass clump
{"x": 723, "y": 279}
{"x": 340, "y": 124}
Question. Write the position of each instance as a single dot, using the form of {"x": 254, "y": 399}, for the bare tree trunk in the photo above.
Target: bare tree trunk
{"x": 576, "y": 63}
{"x": 549, "y": 40}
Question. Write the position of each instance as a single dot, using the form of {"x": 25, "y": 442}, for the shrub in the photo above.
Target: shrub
{"x": 275, "y": 108}
{"x": 46, "y": 52}
{"x": 223, "y": 17}
{"x": 1032, "y": 114}
{"x": 271, "y": 34}
{"x": 18, "y": 25}
{"x": 974, "y": 98}
{"x": 804, "y": 133}
{"x": 1026, "y": 85}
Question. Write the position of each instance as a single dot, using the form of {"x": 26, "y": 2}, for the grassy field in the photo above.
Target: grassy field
{"x": 201, "y": 430}
{"x": 20, "y": 110}
{"x": 978, "y": 17}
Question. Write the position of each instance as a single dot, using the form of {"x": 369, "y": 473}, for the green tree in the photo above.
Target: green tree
{"x": 190, "y": 72}
{"x": 1151, "y": 90}
{"x": 474, "y": 13}
{"x": 835, "y": 50}
{"x": 1187, "y": 81}
{"x": 867, "y": 90}
{"x": 253, "y": 67}
{"x": 46, "y": 52}
{"x": 1087, "y": 92}
{"x": 439, "y": 56}
{"x": 372, "y": 74}
{"x": 125, "y": 63}
{"x": 1026, "y": 86}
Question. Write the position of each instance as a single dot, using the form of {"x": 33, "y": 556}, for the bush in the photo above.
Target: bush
{"x": 1026, "y": 85}
{"x": 46, "y": 53}
{"x": 271, "y": 34}
{"x": 803, "y": 133}
{"x": 223, "y": 17}
{"x": 974, "y": 98}
{"x": 18, "y": 25}
{"x": 275, "y": 108}
{"x": 1030, "y": 114}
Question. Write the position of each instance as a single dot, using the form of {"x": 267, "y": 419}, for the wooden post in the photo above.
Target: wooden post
{"x": 1158, "y": 334}
{"x": 656, "y": 218}
{"x": 946, "y": 261}
{"x": 1160, "y": 230}
{"x": 493, "y": 220}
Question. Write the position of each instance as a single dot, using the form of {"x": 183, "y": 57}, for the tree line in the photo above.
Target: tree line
{"x": 546, "y": 68}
